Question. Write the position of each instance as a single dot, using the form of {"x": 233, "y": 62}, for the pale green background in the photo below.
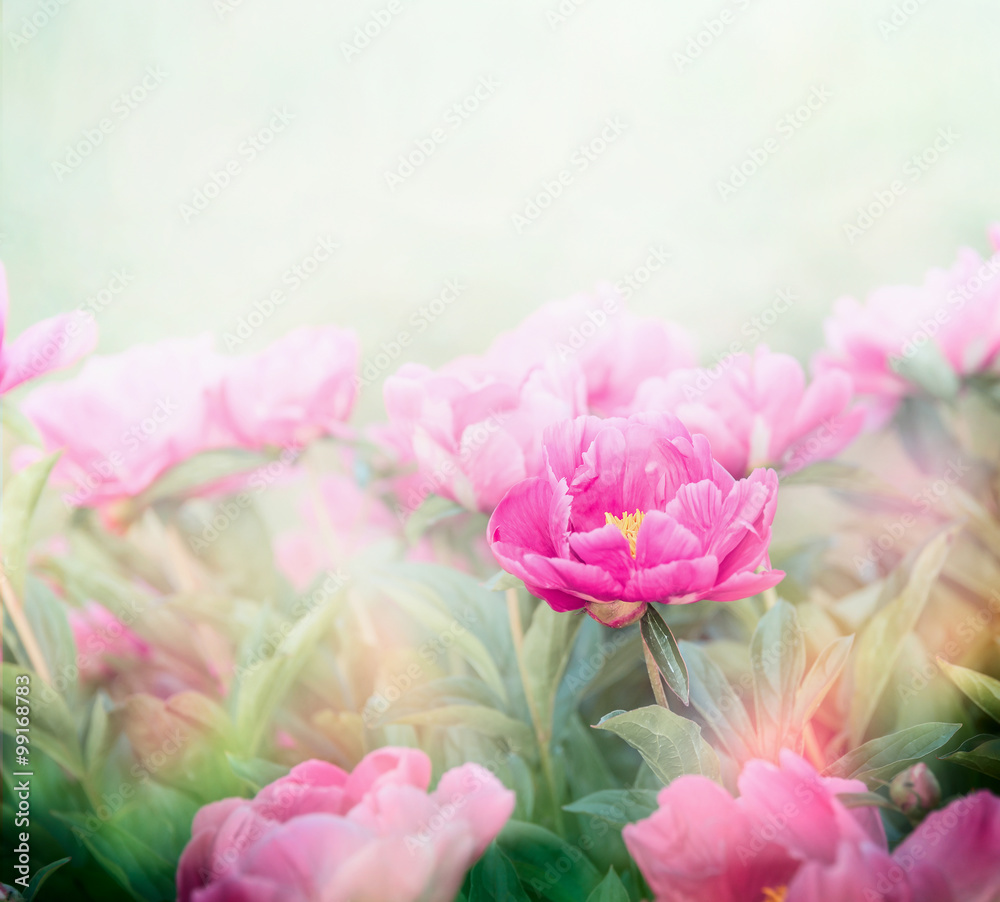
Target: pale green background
{"x": 324, "y": 175}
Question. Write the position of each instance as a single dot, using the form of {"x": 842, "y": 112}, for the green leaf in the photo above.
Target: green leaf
{"x": 822, "y": 675}
{"x": 487, "y": 721}
{"x": 983, "y": 690}
{"x": 99, "y": 734}
{"x": 40, "y": 876}
{"x": 661, "y": 643}
{"x": 610, "y": 889}
{"x": 548, "y": 644}
{"x": 20, "y": 498}
{"x": 881, "y": 641}
{"x": 866, "y": 800}
{"x": 616, "y": 806}
{"x": 554, "y": 869}
{"x": 501, "y": 581}
{"x": 46, "y": 614}
{"x": 980, "y": 753}
{"x": 197, "y": 471}
{"x": 256, "y": 773}
{"x": 433, "y": 509}
{"x": 670, "y": 744}
{"x": 879, "y": 760}
{"x": 493, "y": 879}
{"x": 53, "y": 730}
{"x": 777, "y": 662}
{"x": 715, "y": 700}
{"x": 929, "y": 369}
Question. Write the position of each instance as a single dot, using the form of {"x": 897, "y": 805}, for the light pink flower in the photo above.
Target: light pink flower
{"x": 615, "y": 349}
{"x": 758, "y": 411}
{"x": 48, "y": 345}
{"x": 957, "y": 311}
{"x": 788, "y": 838}
{"x": 632, "y": 511}
{"x": 323, "y": 835}
{"x": 294, "y": 391}
{"x": 475, "y": 425}
{"x": 101, "y": 637}
{"x": 127, "y": 418}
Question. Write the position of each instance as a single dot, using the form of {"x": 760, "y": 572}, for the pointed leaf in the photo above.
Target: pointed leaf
{"x": 433, "y": 509}
{"x": 717, "y": 702}
{"x": 822, "y": 675}
{"x": 981, "y": 753}
{"x": 548, "y": 644}
{"x": 17, "y": 506}
{"x": 881, "y": 640}
{"x": 670, "y": 744}
{"x": 494, "y": 879}
{"x": 616, "y": 806}
{"x": 866, "y": 800}
{"x": 983, "y": 690}
{"x": 879, "y": 760}
{"x": 535, "y": 854}
{"x": 661, "y": 643}
{"x": 777, "y": 662}
{"x": 40, "y": 876}
{"x": 610, "y": 889}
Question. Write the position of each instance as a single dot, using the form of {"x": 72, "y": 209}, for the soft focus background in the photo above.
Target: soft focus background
{"x": 116, "y": 116}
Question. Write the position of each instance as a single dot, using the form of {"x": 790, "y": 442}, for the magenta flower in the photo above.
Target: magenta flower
{"x": 323, "y": 835}
{"x": 758, "y": 411}
{"x": 788, "y": 838}
{"x": 955, "y": 314}
{"x": 475, "y": 425}
{"x": 297, "y": 389}
{"x": 127, "y": 418}
{"x": 51, "y": 344}
{"x": 632, "y": 511}
{"x": 614, "y": 349}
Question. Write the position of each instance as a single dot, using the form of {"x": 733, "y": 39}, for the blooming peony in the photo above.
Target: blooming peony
{"x": 954, "y": 316}
{"x": 128, "y": 418}
{"x": 631, "y": 511}
{"x": 323, "y": 835}
{"x": 614, "y": 349}
{"x": 475, "y": 425}
{"x": 51, "y": 344}
{"x": 787, "y": 838}
{"x": 757, "y": 411}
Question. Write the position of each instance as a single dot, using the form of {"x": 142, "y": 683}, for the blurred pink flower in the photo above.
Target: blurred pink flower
{"x": 323, "y": 835}
{"x": 475, "y": 424}
{"x": 757, "y": 410}
{"x": 128, "y": 418}
{"x": 956, "y": 311}
{"x": 788, "y": 838}
{"x": 51, "y": 344}
{"x": 615, "y": 349}
{"x": 632, "y": 511}
{"x": 294, "y": 391}
{"x": 100, "y": 636}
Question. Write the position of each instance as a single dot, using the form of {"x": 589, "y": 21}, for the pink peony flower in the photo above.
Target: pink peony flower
{"x": 787, "y": 838}
{"x": 51, "y": 344}
{"x": 614, "y": 349}
{"x": 957, "y": 311}
{"x": 632, "y": 511}
{"x": 323, "y": 835}
{"x": 757, "y": 411}
{"x": 294, "y": 391}
{"x": 100, "y": 636}
{"x": 475, "y": 425}
{"x": 128, "y": 418}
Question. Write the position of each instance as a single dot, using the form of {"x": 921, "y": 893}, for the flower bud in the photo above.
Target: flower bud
{"x": 915, "y": 790}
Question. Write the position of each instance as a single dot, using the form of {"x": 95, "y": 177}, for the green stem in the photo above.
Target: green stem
{"x": 541, "y": 730}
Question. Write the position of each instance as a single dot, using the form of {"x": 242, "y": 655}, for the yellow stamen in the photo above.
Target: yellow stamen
{"x": 629, "y": 525}
{"x": 777, "y": 894}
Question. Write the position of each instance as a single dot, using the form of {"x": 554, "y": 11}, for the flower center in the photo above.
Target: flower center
{"x": 776, "y": 894}
{"x": 629, "y": 525}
